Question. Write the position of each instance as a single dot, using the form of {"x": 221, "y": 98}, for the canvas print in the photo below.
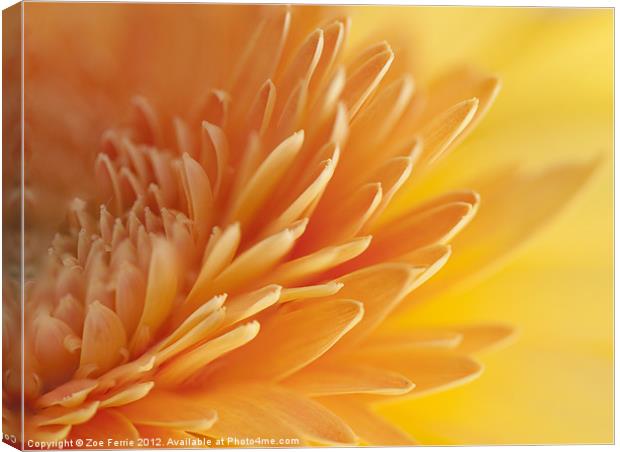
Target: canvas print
{"x": 297, "y": 225}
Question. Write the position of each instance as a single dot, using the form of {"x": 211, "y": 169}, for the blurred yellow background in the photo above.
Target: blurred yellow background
{"x": 554, "y": 384}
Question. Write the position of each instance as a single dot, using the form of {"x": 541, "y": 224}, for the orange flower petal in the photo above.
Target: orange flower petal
{"x": 334, "y": 35}
{"x": 302, "y": 268}
{"x": 262, "y": 54}
{"x": 302, "y": 65}
{"x": 380, "y": 288}
{"x": 127, "y": 395}
{"x": 309, "y": 419}
{"x": 366, "y": 76}
{"x": 130, "y": 293}
{"x": 348, "y": 379}
{"x": 106, "y": 424}
{"x": 509, "y": 219}
{"x": 185, "y": 366}
{"x": 260, "y": 113}
{"x": 443, "y": 130}
{"x": 45, "y": 433}
{"x": 257, "y": 260}
{"x": 241, "y": 414}
{"x": 337, "y": 220}
{"x": 58, "y": 415}
{"x": 277, "y": 352}
{"x": 219, "y": 255}
{"x": 245, "y": 306}
{"x": 371, "y": 428}
{"x": 266, "y": 178}
{"x": 482, "y": 337}
{"x": 103, "y": 341}
{"x": 316, "y": 291}
{"x": 459, "y": 84}
{"x": 196, "y": 318}
{"x": 435, "y": 225}
{"x": 181, "y": 412}
{"x": 198, "y": 195}
{"x": 70, "y": 394}
{"x": 429, "y": 370}
{"x": 414, "y": 339}
{"x": 160, "y": 292}
{"x": 372, "y": 126}
{"x": 55, "y": 348}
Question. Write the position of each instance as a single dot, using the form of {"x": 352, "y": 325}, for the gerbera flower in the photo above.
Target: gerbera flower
{"x": 231, "y": 256}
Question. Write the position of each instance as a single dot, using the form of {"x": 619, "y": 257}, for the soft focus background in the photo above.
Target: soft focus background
{"x": 554, "y": 384}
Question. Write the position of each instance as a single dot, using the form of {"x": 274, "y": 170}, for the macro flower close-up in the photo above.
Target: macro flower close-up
{"x": 254, "y": 225}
